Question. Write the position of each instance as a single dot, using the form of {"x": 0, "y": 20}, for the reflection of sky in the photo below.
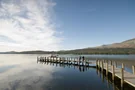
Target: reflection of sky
{"x": 21, "y": 72}
{"x": 18, "y": 72}
{"x": 5, "y": 68}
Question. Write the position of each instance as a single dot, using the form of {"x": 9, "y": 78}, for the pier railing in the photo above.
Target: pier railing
{"x": 115, "y": 71}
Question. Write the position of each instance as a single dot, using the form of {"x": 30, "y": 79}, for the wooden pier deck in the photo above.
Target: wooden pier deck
{"x": 106, "y": 66}
{"x": 112, "y": 68}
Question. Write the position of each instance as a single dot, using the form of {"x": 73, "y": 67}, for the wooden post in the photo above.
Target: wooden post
{"x": 122, "y": 66}
{"x": 48, "y": 58}
{"x": 60, "y": 59}
{"x": 111, "y": 62}
{"x": 52, "y": 59}
{"x": 102, "y": 66}
{"x": 99, "y": 64}
{"x": 133, "y": 69}
{"x": 113, "y": 72}
{"x": 122, "y": 76}
{"x": 74, "y": 60}
{"x": 45, "y": 59}
{"x": 96, "y": 63}
{"x": 67, "y": 59}
{"x": 106, "y": 68}
{"x": 115, "y": 64}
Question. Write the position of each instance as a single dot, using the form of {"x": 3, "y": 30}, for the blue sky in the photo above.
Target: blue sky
{"x": 89, "y": 23}
{"x": 64, "y": 24}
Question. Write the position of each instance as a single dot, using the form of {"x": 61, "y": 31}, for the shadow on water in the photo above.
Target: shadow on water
{"x": 116, "y": 85}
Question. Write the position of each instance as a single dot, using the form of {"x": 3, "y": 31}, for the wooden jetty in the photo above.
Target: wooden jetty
{"x": 66, "y": 60}
{"x": 111, "y": 67}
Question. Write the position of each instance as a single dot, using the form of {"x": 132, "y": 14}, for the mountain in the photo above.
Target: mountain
{"x": 125, "y": 44}
{"x": 125, "y": 47}
{"x": 28, "y": 52}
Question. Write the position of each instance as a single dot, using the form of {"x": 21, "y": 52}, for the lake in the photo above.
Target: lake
{"x": 23, "y": 72}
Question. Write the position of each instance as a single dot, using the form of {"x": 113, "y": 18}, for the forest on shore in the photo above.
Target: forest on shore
{"x": 111, "y": 51}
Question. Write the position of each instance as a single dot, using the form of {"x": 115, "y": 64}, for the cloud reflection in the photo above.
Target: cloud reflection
{"x": 26, "y": 75}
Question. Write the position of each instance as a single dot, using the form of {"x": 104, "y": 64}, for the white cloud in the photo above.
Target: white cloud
{"x": 28, "y": 25}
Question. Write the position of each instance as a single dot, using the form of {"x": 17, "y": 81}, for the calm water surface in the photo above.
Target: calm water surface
{"x": 22, "y": 72}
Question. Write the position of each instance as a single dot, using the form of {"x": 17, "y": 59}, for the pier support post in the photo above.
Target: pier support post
{"x": 96, "y": 63}
{"x": 113, "y": 72}
{"x": 122, "y": 76}
{"x": 99, "y": 64}
{"x": 102, "y": 66}
{"x": 45, "y": 59}
{"x": 122, "y": 66}
{"x": 111, "y": 62}
{"x": 115, "y": 64}
{"x": 133, "y": 69}
{"x": 106, "y": 68}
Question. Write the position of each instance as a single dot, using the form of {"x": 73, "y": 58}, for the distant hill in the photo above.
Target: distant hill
{"x": 28, "y": 52}
{"x": 125, "y": 47}
{"x": 126, "y": 44}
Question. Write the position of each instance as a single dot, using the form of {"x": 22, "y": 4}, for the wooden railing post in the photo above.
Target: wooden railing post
{"x": 113, "y": 72}
{"x": 122, "y": 66}
{"x": 133, "y": 69}
{"x": 122, "y": 76}
{"x": 115, "y": 64}
{"x": 102, "y": 66}
{"x": 99, "y": 65}
{"x": 106, "y": 68}
{"x": 96, "y": 62}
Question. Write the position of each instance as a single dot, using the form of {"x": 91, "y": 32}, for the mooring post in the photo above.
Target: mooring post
{"x": 113, "y": 72}
{"x": 122, "y": 76}
{"x": 133, "y": 69}
{"x": 106, "y": 68}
